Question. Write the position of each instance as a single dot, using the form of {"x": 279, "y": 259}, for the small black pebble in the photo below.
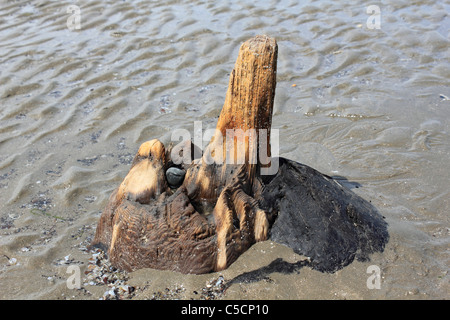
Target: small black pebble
{"x": 175, "y": 177}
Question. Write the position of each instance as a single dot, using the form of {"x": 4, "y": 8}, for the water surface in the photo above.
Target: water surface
{"x": 368, "y": 105}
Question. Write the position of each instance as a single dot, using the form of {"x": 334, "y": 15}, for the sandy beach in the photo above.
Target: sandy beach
{"x": 361, "y": 97}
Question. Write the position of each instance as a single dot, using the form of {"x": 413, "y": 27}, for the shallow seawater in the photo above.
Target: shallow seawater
{"x": 370, "y": 107}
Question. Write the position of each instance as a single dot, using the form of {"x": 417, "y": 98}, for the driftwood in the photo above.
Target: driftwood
{"x": 234, "y": 194}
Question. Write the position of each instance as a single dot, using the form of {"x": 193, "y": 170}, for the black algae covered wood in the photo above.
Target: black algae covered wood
{"x": 319, "y": 218}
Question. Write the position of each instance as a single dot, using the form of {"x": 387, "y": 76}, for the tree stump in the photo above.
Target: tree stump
{"x": 234, "y": 194}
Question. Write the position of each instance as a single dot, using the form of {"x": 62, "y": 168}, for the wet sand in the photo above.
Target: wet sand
{"x": 370, "y": 107}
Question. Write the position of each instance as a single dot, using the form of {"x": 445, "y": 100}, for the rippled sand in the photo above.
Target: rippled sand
{"x": 368, "y": 105}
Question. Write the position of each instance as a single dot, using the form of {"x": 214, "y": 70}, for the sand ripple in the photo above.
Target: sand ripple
{"x": 360, "y": 104}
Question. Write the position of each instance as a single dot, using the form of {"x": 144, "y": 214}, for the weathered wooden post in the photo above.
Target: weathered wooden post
{"x": 147, "y": 224}
{"x": 224, "y": 204}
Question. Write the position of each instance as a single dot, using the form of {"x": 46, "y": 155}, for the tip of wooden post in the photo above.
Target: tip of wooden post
{"x": 260, "y": 43}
